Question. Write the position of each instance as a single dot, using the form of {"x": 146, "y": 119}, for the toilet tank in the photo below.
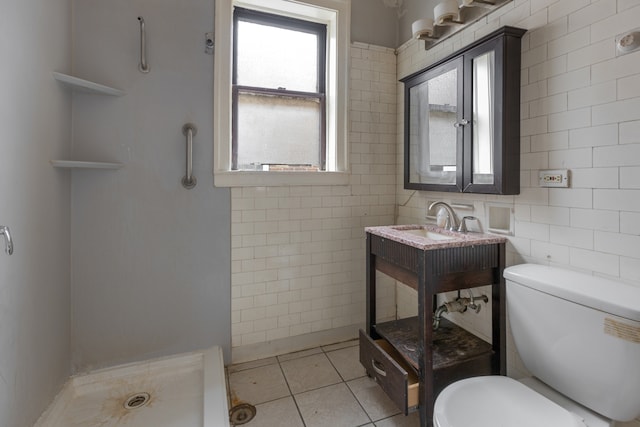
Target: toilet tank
{"x": 580, "y": 334}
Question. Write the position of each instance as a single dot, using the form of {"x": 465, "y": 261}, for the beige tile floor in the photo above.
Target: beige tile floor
{"x": 322, "y": 387}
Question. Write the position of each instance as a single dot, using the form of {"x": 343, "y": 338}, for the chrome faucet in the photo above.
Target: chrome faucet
{"x": 452, "y": 220}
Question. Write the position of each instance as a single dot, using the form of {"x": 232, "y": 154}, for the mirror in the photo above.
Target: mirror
{"x": 433, "y": 143}
{"x": 483, "y": 118}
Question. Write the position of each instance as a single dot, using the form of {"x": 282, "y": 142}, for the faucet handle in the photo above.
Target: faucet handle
{"x": 463, "y": 223}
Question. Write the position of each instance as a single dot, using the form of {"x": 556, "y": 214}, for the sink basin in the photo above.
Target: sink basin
{"x": 426, "y": 233}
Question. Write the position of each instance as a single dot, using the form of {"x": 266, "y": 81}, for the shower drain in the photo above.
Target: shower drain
{"x": 137, "y": 400}
{"x": 242, "y": 414}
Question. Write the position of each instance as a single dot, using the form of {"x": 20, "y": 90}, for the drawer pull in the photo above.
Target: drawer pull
{"x": 378, "y": 367}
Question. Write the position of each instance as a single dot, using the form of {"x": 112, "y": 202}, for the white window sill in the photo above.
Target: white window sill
{"x": 278, "y": 179}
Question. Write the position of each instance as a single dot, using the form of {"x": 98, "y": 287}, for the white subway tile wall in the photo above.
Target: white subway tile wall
{"x": 298, "y": 252}
{"x": 580, "y": 109}
{"x": 298, "y": 263}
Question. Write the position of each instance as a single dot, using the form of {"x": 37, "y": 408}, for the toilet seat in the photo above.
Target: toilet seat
{"x": 496, "y": 401}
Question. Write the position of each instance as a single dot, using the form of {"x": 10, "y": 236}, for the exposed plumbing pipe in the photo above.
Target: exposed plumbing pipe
{"x": 458, "y": 305}
{"x": 472, "y": 304}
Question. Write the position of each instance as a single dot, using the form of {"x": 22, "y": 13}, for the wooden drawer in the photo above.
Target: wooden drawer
{"x": 389, "y": 369}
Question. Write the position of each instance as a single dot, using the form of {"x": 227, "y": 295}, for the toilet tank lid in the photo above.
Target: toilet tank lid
{"x": 610, "y": 296}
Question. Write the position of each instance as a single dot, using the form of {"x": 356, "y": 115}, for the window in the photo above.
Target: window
{"x": 280, "y": 92}
{"x": 278, "y": 113}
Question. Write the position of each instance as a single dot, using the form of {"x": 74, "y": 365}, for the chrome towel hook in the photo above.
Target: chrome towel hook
{"x": 189, "y": 130}
{"x": 8, "y": 241}
{"x": 143, "y": 66}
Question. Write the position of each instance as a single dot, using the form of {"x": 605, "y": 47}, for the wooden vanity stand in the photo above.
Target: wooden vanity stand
{"x": 409, "y": 360}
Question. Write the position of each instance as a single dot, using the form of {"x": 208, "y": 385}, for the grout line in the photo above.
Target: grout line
{"x": 291, "y": 395}
{"x": 334, "y": 366}
{"x": 349, "y": 388}
{"x": 295, "y": 402}
{"x": 362, "y": 407}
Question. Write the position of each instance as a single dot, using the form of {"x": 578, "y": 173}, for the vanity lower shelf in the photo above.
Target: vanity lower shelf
{"x": 451, "y": 344}
{"x": 392, "y": 360}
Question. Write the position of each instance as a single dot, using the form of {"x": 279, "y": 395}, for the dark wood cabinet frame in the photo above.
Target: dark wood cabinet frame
{"x": 434, "y": 357}
{"x": 505, "y": 42}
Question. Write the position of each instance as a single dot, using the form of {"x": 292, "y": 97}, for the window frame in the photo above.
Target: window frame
{"x": 288, "y": 23}
{"x": 334, "y": 13}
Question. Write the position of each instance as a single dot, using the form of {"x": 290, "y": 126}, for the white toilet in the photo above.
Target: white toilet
{"x": 579, "y": 335}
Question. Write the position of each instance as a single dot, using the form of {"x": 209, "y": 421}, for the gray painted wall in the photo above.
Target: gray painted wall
{"x": 150, "y": 259}
{"x": 374, "y": 23}
{"x": 34, "y": 202}
{"x": 412, "y": 11}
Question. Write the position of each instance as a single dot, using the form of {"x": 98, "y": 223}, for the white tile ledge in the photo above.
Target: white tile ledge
{"x": 278, "y": 179}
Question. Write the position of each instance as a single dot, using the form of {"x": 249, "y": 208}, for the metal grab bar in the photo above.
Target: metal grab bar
{"x": 189, "y": 181}
{"x": 143, "y": 66}
{"x": 8, "y": 241}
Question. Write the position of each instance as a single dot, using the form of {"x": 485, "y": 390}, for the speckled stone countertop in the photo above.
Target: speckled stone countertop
{"x": 398, "y": 233}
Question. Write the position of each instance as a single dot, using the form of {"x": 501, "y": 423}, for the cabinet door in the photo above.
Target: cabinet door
{"x": 492, "y": 101}
{"x": 433, "y": 135}
{"x": 482, "y": 133}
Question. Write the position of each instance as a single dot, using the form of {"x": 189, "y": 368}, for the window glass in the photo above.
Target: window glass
{"x": 262, "y": 145}
{"x": 290, "y": 83}
{"x": 278, "y": 97}
{"x": 274, "y": 57}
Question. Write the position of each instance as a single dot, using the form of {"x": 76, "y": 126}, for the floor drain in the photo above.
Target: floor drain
{"x": 242, "y": 414}
{"x": 138, "y": 400}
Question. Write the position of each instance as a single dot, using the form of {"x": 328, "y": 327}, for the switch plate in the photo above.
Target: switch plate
{"x": 554, "y": 178}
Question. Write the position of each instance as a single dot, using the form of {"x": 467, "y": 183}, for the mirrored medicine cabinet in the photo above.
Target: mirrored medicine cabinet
{"x": 462, "y": 119}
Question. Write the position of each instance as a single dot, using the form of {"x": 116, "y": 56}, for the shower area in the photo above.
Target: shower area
{"x": 150, "y": 257}
{"x": 115, "y": 261}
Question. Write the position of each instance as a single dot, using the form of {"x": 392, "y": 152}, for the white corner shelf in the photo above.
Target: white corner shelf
{"x": 86, "y": 86}
{"x": 75, "y": 164}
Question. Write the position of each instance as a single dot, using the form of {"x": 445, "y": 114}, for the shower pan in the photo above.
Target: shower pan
{"x": 187, "y": 390}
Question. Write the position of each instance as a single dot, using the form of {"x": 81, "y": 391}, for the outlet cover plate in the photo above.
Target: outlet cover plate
{"x": 554, "y": 178}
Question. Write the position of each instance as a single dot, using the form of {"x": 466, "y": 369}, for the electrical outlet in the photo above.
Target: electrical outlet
{"x": 554, "y": 178}
{"x": 628, "y": 42}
